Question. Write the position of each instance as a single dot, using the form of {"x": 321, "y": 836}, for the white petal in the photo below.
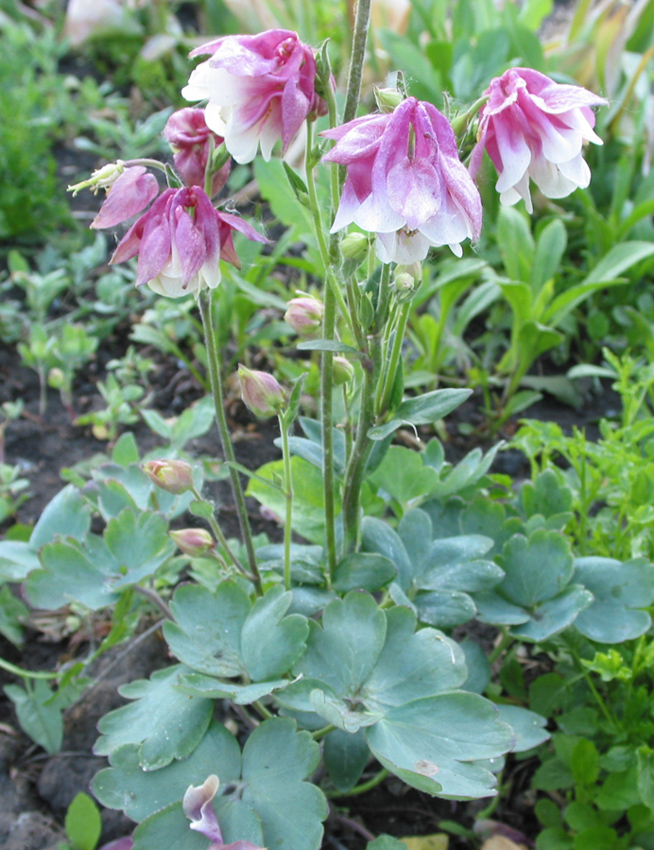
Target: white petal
{"x": 520, "y": 190}
{"x": 402, "y": 247}
{"x": 550, "y": 180}
{"x": 515, "y": 154}
{"x": 376, "y": 216}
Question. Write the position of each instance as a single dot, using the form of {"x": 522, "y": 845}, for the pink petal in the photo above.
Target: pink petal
{"x": 128, "y": 196}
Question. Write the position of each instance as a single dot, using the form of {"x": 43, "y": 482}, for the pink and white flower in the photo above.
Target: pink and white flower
{"x": 180, "y": 241}
{"x": 535, "y": 128}
{"x": 128, "y": 194}
{"x": 189, "y": 137}
{"x": 259, "y": 88}
{"x": 405, "y": 182}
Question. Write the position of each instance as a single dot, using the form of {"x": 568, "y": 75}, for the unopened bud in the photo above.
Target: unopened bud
{"x": 405, "y": 286}
{"x": 174, "y": 476}
{"x": 56, "y": 378}
{"x": 388, "y": 99}
{"x": 305, "y": 315}
{"x": 261, "y": 392}
{"x": 355, "y": 246}
{"x": 414, "y": 269}
{"x": 193, "y": 541}
{"x": 343, "y": 371}
{"x": 102, "y": 178}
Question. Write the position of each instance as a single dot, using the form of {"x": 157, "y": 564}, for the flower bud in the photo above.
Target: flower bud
{"x": 173, "y": 476}
{"x": 261, "y": 392}
{"x": 304, "y": 315}
{"x": 343, "y": 371}
{"x": 355, "y": 246}
{"x": 193, "y": 541}
{"x": 101, "y": 178}
{"x": 388, "y": 99}
{"x": 56, "y": 378}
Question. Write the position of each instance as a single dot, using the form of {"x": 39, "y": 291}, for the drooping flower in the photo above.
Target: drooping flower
{"x": 535, "y": 128}
{"x": 260, "y": 88}
{"x": 405, "y": 182}
{"x": 174, "y": 476}
{"x": 261, "y": 392}
{"x": 199, "y": 810}
{"x": 128, "y": 194}
{"x": 193, "y": 541}
{"x": 189, "y": 137}
{"x": 180, "y": 241}
{"x": 305, "y": 314}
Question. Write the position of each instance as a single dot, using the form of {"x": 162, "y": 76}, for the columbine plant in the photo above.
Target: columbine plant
{"x": 331, "y": 652}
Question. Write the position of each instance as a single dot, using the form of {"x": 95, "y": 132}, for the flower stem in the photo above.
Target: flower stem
{"x": 505, "y": 642}
{"x": 152, "y": 595}
{"x": 223, "y": 430}
{"x": 376, "y": 780}
{"x": 332, "y": 292}
{"x": 222, "y": 540}
{"x": 357, "y": 57}
{"x": 356, "y": 466}
{"x": 288, "y": 498}
{"x": 384, "y": 397}
{"x": 26, "y": 674}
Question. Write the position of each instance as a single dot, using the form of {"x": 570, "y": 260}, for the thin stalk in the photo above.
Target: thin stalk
{"x": 26, "y": 674}
{"x": 152, "y": 595}
{"x": 223, "y": 430}
{"x": 324, "y": 730}
{"x": 354, "y": 473}
{"x": 220, "y": 537}
{"x": 288, "y": 498}
{"x": 396, "y": 352}
{"x": 589, "y": 681}
{"x": 376, "y": 780}
{"x": 326, "y": 368}
{"x": 333, "y": 285}
{"x": 263, "y": 711}
{"x": 507, "y": 640}
{"x": 356, "y": 467}
{"x": 357, "y": 58}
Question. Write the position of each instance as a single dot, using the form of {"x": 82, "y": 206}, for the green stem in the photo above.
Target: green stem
{"x": 507, "y": 640}
{"x": 376, "y": 780}
{"x": 356, "y": 466}
{"x": 288, "y": 498}
{"x": 357, "y": 57}
{"x": 223, "y": 430}
{"x": 263, "y": 711}
{"x": 384, "y": 396}
{"x": 589, "y": 681}
{"x": 220, "y": 537}
{"x": 25, "y": 674}
{"x": 331, "y": 294}
{"x": 151, "y": 594}
{"x": 355, "y": 471}
{"x": 324, "y": 730}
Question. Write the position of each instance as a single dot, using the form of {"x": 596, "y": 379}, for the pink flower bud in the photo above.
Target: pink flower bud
{"x": 261, "y": 392}
{"x": 189, "y": 137}
{"x": 193, "y": 541}
{"x": 260, "y": 88}
{"x": 535, "y": 128}
{"x": 174, "y": 476}
{"x": 180, "y": 241}
{"x": 305, "y": 315}
{"x": 127, "y": 195}
{"x": 405, "y": 182}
